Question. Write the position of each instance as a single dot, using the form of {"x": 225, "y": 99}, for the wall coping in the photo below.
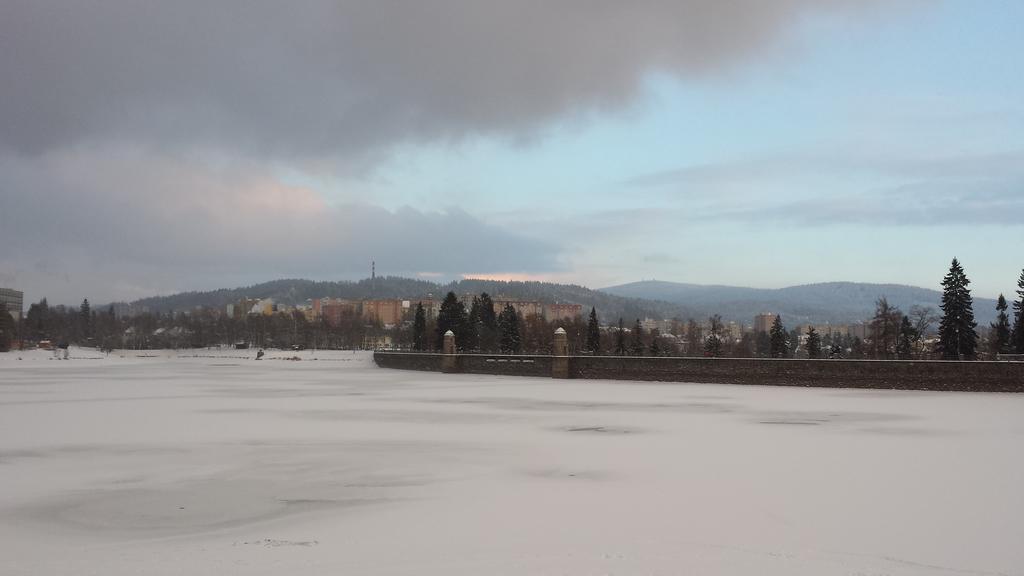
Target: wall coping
{"x": 703, "y": 358}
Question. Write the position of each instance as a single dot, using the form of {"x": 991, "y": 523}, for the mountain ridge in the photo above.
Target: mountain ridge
{"x": 821, "y": 302}
{"x": 818, "y": 303}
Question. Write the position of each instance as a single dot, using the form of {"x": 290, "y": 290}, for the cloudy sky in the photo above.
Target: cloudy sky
{"x": 153, "y": 147}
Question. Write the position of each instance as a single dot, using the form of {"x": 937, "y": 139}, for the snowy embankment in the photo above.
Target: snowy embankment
{"x": 210, "y": 462}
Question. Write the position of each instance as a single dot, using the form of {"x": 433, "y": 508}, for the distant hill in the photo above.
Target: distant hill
{"x": 296, "y": 291}
{"x": 834, "y": 302}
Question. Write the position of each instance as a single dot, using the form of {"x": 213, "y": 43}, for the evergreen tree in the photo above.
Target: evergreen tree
{"x": 419, "y": 329}
{"x": 957, "y": 338}
{"x": 905, "y": 342}
{"x": 472, "y": 327}
{"x": 1018, "y": 318}
{"x": 1000, "y": 330}
{"x": 637, "y": 347}
{"x": 451, "y": 316}
{"x": 85, "y": 320}
{"x": 857, "y": 348}
{"x": 620, "y": 340}
{"x": 655, "y": 349}
{"x": 593, "y": 334}
{"x": 713, "y": 343}
{"x": 37, "y": 321}
{"x": 6, "y": 328}
{"x": 813, "y": 343}
{"x": 488, "y": 324}
{"x": 508, "y": 323}
{"x": 713, "y": 346}
{"x": 779, "y": 339}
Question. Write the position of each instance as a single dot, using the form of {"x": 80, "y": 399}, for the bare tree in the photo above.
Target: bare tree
{"x": 885, "y": 329}
{"x": 922, "y": 318}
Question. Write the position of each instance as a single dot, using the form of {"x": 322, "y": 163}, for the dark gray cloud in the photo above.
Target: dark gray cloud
{"x": 335, "y": 79}
{"x": 136, "y": 136}
{"x": 122, "y": 223}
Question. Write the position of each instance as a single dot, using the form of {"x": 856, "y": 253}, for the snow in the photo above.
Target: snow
{"x": 219, "y": 464}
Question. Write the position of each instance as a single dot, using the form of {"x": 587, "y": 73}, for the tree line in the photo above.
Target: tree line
{"x": 892, "y": 333}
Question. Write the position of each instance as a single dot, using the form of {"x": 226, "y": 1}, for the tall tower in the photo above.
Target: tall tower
{"x": 373, "y": 270}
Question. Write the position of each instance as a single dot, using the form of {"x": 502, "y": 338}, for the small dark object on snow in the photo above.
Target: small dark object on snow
{"x": 259, "y": 354}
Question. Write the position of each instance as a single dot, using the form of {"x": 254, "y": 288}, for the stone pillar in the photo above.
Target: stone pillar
{"x": 560, "y": 351}
{"x": 448, "y": 351}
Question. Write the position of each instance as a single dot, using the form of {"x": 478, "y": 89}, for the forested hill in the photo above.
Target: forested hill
{"x": 296, "y": 291}
{"x": 835, "y": 302}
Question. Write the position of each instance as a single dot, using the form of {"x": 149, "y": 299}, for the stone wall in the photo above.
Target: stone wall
{"x": 425, "y": 361}
{"x": 886, "y": 374}
{"x": 469, "y": 363}
{"x": 502, "y": 364}
{"x": 882, "y": 374}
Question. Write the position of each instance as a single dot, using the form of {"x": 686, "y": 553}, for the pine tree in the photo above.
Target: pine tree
{"x": 508, "y": 323}
{"x": 857, "y": 348}
{"x": 906, "y": 339}
{"x": 637, "y": 347}
{"x": 85, "y": 320}
{"x": 37, "y": 320}
{"x": 813, "y": 343}
{"x": 1000, "y": 333}
{"x": 620, "y": 340}
{"x": 713, "y": 343}
{"x": 451, "y": 316}
{"x": 957, "y": 338}
{"x": 6, "y": 328}
{"x": 593, "y": 334}
{"x": 1018, "y": 318}
{"x": 472, "y": 327}
{"x": 419, "y": 329}
{"x": 779, "y": 339}
{"x": 488, "y": 324}
{"x": 655, "y": 349}
{"x": 713, "y": 346}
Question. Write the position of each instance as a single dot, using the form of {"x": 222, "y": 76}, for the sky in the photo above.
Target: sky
{"x": 155, "y": 147}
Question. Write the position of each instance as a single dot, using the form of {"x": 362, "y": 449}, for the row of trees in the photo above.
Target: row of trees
{"x": 478, "y": 329}
{"x": 892, "y": 334}
{"x": 957, "y": 336}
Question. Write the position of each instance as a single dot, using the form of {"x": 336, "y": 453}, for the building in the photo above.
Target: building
{"x": 554, "y": 312}
{"x": 763, "y": 322}
{"x": 733, "y": 330}
{"x": 430, "y": 308}
{"x": 264, "y": 306}
{"x": 387, "y": 312}
{"x": 14, "y": 300}
{"x": 332, "y": 310}
{"x": 523, "y": 308}
{"x": 245, "y": 306}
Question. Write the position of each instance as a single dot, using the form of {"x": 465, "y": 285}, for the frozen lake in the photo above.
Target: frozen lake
{"x": 169, "y": 465}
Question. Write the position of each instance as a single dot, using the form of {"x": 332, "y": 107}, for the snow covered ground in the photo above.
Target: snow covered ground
{"x": 224, "y": 465}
